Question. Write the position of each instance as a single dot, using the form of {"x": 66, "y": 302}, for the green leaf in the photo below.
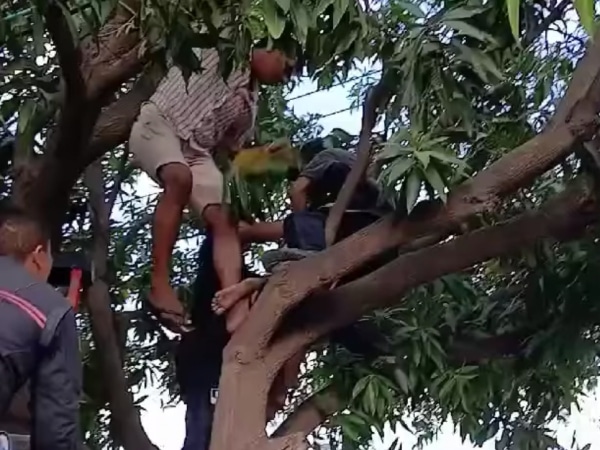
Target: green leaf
{"x": 38, "y": 32}
{"x": 423, "y": 158}
{"x": 435, "y": 180}
{"x": 399, "y": 167}
{"x": 413, "y": 189}
{"x": 285, "y": 4}
{"x": 463, "y": 12}
{"x": 463, "y": 28}
{"x": 586, "y": 11}
{"x": 359, "y": 387}
{"x": 301, "y": 20}
{"x": 274, "y": 21}
{"x": 401, "y": 379}
{"x": 371, "y": 399}
{"x": 321, "y": 7}
{"x": 339, "y": 9}
{"x": 70, "y": 23}
{"x": 347, "y": 40}
{"x": 513, "y": 8}
{"x": 411, "y": 8}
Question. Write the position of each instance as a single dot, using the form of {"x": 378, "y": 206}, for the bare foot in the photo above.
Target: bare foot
{"x": 167, "y": 308}
{"x": 226, "y": 298}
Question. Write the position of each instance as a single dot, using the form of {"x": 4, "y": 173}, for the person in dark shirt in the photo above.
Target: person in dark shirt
{"x": 199, "y": 355}
{"x": 38, "y": 335}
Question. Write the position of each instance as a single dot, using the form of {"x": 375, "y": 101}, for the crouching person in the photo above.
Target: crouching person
{"x": 38, "y": 335}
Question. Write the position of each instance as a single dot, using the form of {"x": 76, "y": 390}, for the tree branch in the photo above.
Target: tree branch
{"x": 543, "y": 26}
{"x": 583, "y": 93}
{"x": 115, "y": 121}
{"x": 125, "y": 419}
{"x": 69, "y": 56}
{"x": 378, "y": 95}
{"x": 311, "y": 413}
{"x": 563, "y": 218}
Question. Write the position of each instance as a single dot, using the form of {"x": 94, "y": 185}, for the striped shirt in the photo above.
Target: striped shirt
{"x": 187, "y": 107}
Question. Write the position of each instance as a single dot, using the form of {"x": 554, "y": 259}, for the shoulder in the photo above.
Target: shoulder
{"x": 44, "y": 296}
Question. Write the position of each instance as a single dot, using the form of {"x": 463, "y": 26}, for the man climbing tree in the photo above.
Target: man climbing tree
{"x": 178, "y": 139}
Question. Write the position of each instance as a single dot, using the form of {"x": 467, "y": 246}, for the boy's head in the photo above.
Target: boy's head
{"x": 25, "y": 240}
{"x": 271, "y": 65}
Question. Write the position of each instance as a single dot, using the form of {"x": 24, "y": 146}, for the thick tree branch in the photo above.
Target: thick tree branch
{"x": 68, "y": 54}
{"x": 378, "y": 95}
{"x": 115, "y": 120}
{"x": 563, "y": 218}
{"x": 311, "y": 413}
{"x": 125, "y": 419}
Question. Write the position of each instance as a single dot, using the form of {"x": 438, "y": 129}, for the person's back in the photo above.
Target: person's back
{"x": 38, "y": 335}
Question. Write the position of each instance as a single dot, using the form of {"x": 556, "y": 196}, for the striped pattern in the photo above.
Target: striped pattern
{"x": 36, "y": 315}
{"x": 186, "y": 107}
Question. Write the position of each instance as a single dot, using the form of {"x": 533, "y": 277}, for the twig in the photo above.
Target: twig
{"x": 121, "y": 176}
{"x": 378, "y": 95}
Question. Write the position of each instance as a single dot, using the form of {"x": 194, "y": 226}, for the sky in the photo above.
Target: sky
{"x": 166, "y": 427}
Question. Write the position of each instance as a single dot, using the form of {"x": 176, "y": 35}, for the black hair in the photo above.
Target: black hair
{"x": 20, "y": 232}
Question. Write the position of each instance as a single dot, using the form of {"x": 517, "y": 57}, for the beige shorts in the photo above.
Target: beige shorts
{"x": 153, "y": 143}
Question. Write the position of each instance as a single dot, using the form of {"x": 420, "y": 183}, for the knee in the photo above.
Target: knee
{"x": 176, "y": 180}
{"x": 217, "y": 218}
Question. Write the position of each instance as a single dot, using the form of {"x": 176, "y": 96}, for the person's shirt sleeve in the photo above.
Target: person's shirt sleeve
{"x": 318, "y": 166}
{"x": 57, "y": 390}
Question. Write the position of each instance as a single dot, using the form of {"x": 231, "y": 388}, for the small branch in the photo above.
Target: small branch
{"x": 552, "y": 17}
{"x": 378, "y": 95}
{"x": 121, "y": 176}
{"x": 583, "y": 92}
{"x": 311, "y": 413}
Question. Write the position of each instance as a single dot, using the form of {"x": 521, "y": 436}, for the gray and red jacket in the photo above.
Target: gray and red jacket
{"x": 39, "y": 344}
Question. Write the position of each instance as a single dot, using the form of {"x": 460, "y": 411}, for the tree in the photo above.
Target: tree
{"x": 457, "y": 93}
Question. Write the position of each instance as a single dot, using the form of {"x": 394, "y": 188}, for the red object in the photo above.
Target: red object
{"x": 74, "y": 292}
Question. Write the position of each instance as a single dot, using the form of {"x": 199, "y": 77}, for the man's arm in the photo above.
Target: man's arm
{"x": 299, "y": 193}
{"x": 56, "y": 391}
{"x": 314, "y": 170}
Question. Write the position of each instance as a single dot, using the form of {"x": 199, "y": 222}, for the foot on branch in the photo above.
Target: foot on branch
{"x": 226, "y": 298}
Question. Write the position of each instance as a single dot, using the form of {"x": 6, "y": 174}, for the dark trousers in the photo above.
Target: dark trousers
{"x": 198, "y": 417}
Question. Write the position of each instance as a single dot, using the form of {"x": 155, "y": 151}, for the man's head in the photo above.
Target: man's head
{"x": 25, "y": 240}
{"x": 271, "y": 65}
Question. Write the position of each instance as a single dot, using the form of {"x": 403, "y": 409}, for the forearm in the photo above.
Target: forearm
{"x": 261, "y": 232}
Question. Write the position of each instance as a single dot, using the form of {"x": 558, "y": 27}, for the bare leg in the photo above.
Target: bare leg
{"x": 227, "y": 256}
{"x": 177, "y": 182}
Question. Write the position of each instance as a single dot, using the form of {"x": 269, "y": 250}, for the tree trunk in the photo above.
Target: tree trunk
{"x": 125, "y": 419}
